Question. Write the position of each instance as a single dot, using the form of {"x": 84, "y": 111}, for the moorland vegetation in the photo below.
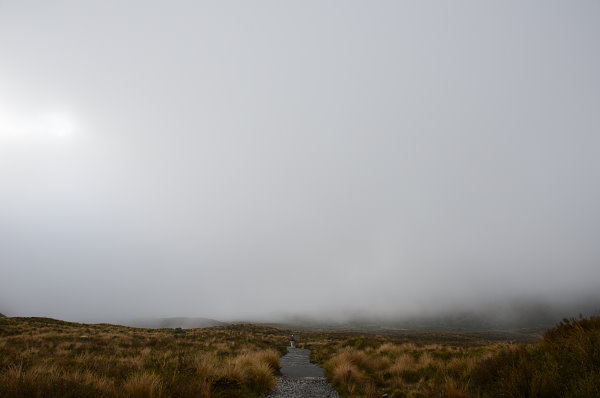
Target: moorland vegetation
{"x": 41, "y": 357}
{"x": 564, "y": 362}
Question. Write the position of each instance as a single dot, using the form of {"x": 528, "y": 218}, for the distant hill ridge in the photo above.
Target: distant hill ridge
{"x": 2, "y": 315}
{"x": 175, "y": 322}
{"x": 189, "y": 323}
{"x": 526, "y": 317}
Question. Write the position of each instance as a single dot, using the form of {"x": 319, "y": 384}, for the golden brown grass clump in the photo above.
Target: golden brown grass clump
{"x": 400, "y": 369}
{"x": 143, "y": 384}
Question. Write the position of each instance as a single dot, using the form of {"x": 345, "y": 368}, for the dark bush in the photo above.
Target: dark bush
{"x": 565, "y": 363}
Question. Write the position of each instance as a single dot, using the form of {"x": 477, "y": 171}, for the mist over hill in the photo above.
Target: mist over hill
{"x": 524, "y": 314}
{"x": 175, "y": 322}
{"x": 507, "y": 316}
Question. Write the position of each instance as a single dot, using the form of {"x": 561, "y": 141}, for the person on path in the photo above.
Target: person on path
{"x": 293, "y": 341}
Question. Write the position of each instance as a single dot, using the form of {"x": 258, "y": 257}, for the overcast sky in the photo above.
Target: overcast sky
{"x": 244, "y": 159}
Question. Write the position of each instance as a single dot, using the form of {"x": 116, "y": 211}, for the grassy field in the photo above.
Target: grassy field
{"x": 564, "y": 362}
{"x": 405, "y": 363}
{"x": 42, "y": 357}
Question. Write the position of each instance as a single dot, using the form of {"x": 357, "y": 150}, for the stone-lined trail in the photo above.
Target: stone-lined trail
{"x": 300, "y": 378}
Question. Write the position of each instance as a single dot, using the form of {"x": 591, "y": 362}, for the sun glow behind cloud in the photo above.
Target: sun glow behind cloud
{"x": 19, "y": 125}
{"x": 59, "y": 124}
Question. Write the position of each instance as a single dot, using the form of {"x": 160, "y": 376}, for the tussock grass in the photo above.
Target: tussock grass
{"x": 259, "y": 375}
{"x": 347, "y": 375}
{"x": 42, "y": 357}
{"x": 270, "y": 357}
{"x": 143, "y": 385}
{"x": 404, "y": 369}
{"x": 564, "y": 363}
{"x": 47, "y": 358}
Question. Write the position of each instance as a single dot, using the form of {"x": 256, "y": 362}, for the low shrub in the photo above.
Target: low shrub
{"x": 566, "y": 363}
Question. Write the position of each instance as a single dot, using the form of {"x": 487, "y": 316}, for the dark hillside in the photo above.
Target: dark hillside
{"x": 177, "y": 322}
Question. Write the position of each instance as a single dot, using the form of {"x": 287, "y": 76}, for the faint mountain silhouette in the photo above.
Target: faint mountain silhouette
{"x": 176, "y": 322}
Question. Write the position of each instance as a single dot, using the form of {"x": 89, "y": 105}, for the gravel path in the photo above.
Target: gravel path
{"x": 300, "y": 378}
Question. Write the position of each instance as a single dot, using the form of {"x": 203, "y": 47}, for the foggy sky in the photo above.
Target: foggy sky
{"x": 245, "y": 159}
